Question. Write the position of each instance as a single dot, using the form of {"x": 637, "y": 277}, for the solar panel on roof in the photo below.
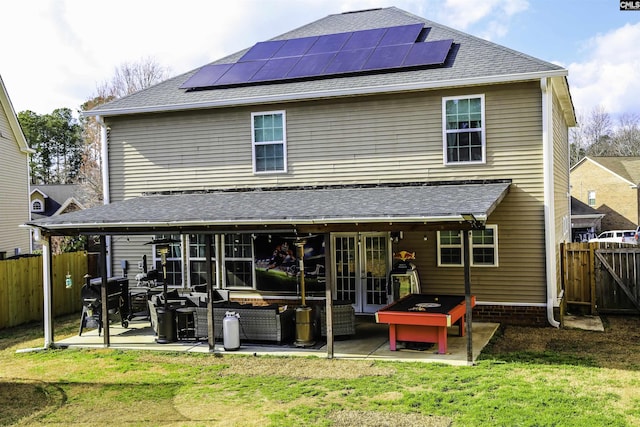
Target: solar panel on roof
{"x": 295, "y": 47}
{"x": 384, "y": 57}
{"x": 364, "y": 39}
{"x": 262, "y": 50}
{"x": 329, "y": 43}
{"x": 401, "y": 35}
{"x": 275, "y": 69}
{"x": 428, "y": 53}
{"x": 348, "y": 61}
{"x": 311, "y": 65}
{"x": 240, "y": 72}
{"x": 326, "y": 55}
{"x": 206, "y": 76}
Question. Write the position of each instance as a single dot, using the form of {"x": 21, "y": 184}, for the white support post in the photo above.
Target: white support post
{"x": 47, "y": 291}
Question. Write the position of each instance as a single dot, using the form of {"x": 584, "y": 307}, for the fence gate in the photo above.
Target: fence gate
{"x": 578, "y": 278}
{"x": 601, "y": 277}
{"x": 617, "y": 278}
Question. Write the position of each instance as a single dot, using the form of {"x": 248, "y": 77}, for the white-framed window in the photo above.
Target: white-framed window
{"x": 238, "y": 260}
{"x": 463, "y": 128}
{"x": 269, "y": 142}
{"x": 173, "y": 260}
{"x": 591, "y": 198}
{"x": 449, "y": 248}
{"x": 37, "y": 206}
{"x": 483, "y": 247}
{"x": 197, "y": 260}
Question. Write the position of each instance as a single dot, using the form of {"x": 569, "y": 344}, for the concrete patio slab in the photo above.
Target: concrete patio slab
{"x": 370, "y": 342}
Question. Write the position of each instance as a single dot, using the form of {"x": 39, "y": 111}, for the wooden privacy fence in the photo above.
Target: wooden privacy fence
{"x": 21, "y": 291}
{"x": 601, "y": 277}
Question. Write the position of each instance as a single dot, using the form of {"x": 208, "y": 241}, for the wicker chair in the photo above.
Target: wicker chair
{"x": 344, "y": 320}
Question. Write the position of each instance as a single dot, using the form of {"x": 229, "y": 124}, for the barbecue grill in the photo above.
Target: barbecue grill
{"x": 117, "y": 302}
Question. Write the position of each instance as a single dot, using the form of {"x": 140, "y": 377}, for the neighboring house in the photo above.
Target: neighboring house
{"x": 610, "y": 186}
{"x": 14, "y": 181}
{"x": 585, "y": 221}
{"x": 362, "y": 152}
{"x": 53, "y": 199}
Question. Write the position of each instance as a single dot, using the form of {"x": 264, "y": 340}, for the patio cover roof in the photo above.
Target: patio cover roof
{"x": 318, "y": 208}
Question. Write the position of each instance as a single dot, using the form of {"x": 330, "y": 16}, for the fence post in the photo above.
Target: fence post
{"x": 592, "y": 276}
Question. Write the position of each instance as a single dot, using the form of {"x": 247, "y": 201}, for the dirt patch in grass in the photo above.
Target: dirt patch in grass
{"x": 376, "y": 419}
{"x": 617, "y": 347}
{"x": 293, "y": 367}
{"x": 21, "y": 400}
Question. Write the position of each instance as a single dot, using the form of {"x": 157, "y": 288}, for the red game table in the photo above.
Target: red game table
{"x": 424, "y": 318}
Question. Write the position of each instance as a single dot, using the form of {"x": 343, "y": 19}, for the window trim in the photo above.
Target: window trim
{"x": 283, "y": 142}
{"x": 33, "y": 206}
{"x": 439, "y": 251}
{"x": 445, "y": 132}
{"x": 157, "y": 259}
{"x": 494, "y": 227}
{"x": 225, "y": 258}
{"x": 589, "y": 198}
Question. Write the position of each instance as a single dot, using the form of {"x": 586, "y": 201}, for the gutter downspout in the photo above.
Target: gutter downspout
{"x": 104, "y": 154}
{"x": 549, "y": 205}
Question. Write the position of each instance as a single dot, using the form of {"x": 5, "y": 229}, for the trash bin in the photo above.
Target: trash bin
{"x": 304, "y": 332}
{"x": 166, "y": 325}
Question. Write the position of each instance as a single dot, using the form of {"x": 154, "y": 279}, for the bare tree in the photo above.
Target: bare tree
{"x": 627, "y": 135}
{"x": 128, "y": 78}
{"x": 131, "y": 77}
{"x": 598, "y": 132}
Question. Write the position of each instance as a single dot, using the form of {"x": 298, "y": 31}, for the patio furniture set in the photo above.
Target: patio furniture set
{"x": 257, "y": 323}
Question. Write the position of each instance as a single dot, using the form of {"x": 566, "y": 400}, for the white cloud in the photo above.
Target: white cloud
{"x": 609, "y": 74}
{"x": 495, "y": 15}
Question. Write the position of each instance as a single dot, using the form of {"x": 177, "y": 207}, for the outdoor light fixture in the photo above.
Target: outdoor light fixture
{"x": 472, "y": 220}
{"x": 469, "y": 217}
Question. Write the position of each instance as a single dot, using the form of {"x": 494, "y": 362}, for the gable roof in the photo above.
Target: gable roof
{"x": 58, "y": 198}
{"x": 7, "y": 107}
{"x": 471, "y": 61}
{"x": 625, "y": 167}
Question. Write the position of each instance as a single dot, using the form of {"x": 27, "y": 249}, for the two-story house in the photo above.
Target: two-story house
{"x": 610, "y": 186}
{"x": 14, "y": 181}
{"x": 363, "y": 134}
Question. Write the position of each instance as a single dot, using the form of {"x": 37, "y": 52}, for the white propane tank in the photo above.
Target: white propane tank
{"x": 231, "y": 331}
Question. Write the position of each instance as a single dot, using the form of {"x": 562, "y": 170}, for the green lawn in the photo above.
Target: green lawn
{"x": 526, "y": 377}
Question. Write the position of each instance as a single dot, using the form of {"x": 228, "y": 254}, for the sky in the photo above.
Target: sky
{"x": 55, "y": 53}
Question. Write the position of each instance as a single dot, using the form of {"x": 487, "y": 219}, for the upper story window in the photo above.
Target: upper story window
{"x": 483, "y": 247}
{"x": 37, "y": 206}
{"x": 269, "y": 141}
{"x": 591, "y": 198}
{"x": 463, "y": 129}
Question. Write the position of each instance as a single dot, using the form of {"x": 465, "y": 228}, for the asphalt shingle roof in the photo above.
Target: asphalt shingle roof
{"x": 414, "y": 203}
{"x": 628, "y": 167}
{"x": 470, "y": 58}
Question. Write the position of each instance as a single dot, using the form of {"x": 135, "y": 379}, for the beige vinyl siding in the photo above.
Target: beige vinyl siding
{"x": 391, "y": 138}
{"x": 14, "y": 192}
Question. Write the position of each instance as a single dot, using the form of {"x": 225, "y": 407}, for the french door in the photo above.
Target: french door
{"x": 361, "y": 269}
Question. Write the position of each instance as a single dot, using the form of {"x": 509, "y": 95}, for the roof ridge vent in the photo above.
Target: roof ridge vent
{"x": 362, "y": 10}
